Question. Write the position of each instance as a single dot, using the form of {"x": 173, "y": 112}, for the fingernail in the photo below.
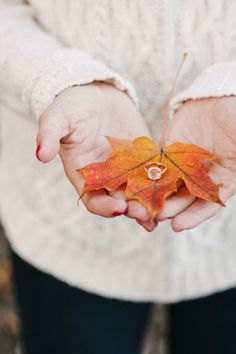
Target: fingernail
{"x": 118, "y": 213}
{"x": 37, "y": 152}
{"x": 126, "y": 210}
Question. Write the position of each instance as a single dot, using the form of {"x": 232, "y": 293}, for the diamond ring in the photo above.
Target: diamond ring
{"x": 155, "y": 171}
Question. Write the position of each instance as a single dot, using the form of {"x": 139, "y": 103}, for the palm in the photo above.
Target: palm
{"x": 94, "y": 118}
{"x": 82, "y": 117}
{"x": 209, "y": 123}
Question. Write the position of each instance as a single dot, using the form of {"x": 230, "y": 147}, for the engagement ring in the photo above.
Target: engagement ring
{"x": 156, "y": 171}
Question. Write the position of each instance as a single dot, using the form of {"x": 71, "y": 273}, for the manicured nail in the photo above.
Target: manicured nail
{"x": 126, "y": 211}
{"x": 118, "y": 213}
{"x": 37, "y": 152}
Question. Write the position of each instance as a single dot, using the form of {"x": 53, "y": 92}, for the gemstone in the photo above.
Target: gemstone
{"x": 154, "y": 173}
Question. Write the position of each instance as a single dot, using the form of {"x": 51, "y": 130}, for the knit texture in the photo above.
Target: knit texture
{"x": 136, "y": 45}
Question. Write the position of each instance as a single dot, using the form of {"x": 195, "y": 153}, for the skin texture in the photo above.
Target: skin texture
{"x": 74, "y": 126}
{"x": 211, "y": 124}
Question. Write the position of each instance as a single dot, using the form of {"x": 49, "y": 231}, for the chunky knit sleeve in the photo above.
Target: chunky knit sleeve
{"x": 217, "y": 80}
{"x": 35, "y": 66}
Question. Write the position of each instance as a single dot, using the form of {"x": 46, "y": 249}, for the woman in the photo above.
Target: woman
{"x": 70, "y": 73}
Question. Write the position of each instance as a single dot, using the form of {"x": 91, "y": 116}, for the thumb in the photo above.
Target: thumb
{"x": 49, "y": 135}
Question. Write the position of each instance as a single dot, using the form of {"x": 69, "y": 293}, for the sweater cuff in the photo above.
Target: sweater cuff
{"x": 217, "y": 80}
{"x": 69, "y": 67}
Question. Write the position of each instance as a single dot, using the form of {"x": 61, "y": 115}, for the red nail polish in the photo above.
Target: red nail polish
{"x": 37, "y": 152}
{"x": 117, "y": 213}
{"x": 126, "y": 210}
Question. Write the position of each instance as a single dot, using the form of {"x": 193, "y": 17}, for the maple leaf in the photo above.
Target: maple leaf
{"x": 150, "y": 174}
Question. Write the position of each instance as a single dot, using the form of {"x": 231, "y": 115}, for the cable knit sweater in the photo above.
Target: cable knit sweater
{"x": 47, "y": 46}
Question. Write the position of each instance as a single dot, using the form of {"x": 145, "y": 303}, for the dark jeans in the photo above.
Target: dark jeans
{"x": 205, "y": 325}
{"x": 60, "y": 319}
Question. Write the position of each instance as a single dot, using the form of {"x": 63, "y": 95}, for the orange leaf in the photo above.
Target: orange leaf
{"x": 135, "y": 163}
{"x": 126, "y": 156}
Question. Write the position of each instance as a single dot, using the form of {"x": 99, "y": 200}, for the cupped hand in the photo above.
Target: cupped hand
{"x": 211, "y": 124}
{"x": 75, "y": 126}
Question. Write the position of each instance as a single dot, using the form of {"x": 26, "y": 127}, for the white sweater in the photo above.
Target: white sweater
{"x": 46, "y": 46}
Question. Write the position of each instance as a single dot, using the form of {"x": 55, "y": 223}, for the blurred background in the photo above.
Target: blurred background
{"x": 9, "y": 322}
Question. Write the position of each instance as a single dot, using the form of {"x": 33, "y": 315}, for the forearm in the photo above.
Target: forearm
{"x": 35, "y": 66}
{"x": 217, "y": 80}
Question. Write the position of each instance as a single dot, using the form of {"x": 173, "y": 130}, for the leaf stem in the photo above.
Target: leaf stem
{"x": 169, "y": 98}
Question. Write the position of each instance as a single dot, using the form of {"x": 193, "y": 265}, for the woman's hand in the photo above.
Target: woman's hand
{"x": 209, "y": 123}
{"x": 75, "y": 125}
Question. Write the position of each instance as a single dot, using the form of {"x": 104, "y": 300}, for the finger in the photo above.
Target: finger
{"x": 120, "y": 194}
{"x": 194, "y": 215}
{"x": 202, "y": 210}
{"x": 49, "y": 135}
{"x": 176, "y": 204}
{"x": 148, "y": 225}
{"x": 98, "y": 202}
{"x": 137, "y": 211}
